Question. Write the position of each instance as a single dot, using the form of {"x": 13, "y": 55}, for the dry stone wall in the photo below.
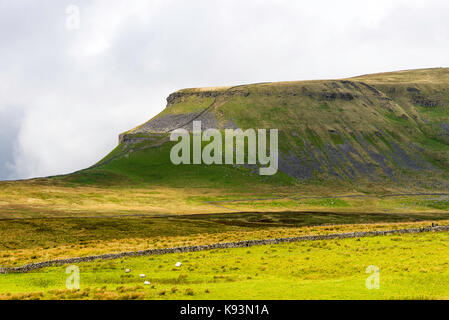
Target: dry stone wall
{"x": 239, "y": 244}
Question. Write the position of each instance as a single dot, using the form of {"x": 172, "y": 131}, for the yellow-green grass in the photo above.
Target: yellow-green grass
{"x": 427, "y": 75}
{"x": 412, "y": 266}
{"x": 34, "y": 200}
{"x": 61, "y": 197}
{"x": 362, "y": 203}
{"x": 37, "y": 240}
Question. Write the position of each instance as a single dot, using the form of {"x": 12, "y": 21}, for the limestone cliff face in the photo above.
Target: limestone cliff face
{"x": 172, "y": 118}
{"x": 375, "y": 127}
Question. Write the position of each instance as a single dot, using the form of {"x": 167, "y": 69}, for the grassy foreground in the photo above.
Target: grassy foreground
{"x": 25, "y": 241}
{"x": 412, "y": 266}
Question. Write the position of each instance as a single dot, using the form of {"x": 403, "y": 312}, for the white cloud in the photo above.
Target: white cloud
{"x": 77, "y": 90}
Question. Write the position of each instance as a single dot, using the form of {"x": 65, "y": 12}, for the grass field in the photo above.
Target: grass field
{"x": 87, "y": 194}
{"x": 413, "y": 266}
{"x": 25, "y": 241}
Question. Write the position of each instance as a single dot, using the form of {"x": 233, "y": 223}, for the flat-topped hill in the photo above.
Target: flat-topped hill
{"x": 380, "y": 128}
{"x": 371, "y": 135}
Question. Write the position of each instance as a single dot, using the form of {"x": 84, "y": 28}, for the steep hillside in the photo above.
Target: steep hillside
{"x": 389, "y": 128}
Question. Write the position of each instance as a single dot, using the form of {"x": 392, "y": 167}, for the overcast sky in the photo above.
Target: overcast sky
{"x": 67, "y": 89}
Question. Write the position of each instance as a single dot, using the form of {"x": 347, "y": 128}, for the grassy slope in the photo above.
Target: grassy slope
{"x": 411, "y": 267}
{"x": 399, "y": 117}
